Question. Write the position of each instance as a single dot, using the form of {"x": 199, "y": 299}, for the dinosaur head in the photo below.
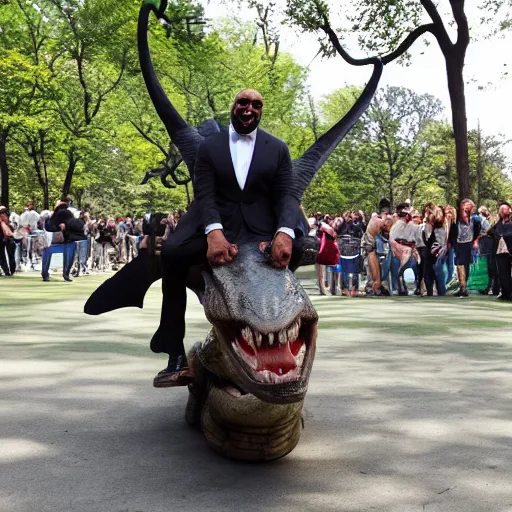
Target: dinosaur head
{"x": 265, "y": 326}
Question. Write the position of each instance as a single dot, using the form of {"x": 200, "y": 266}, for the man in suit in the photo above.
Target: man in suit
{"x": 242, "y": 195}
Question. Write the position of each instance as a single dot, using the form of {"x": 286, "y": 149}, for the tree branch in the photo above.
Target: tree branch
{"x": 440, "y": 31}
{"x": 102, "y": 95}
{"x": 462, "y": 25}
{"x": 149, "y": 139}
{"x": 402, "y": 48}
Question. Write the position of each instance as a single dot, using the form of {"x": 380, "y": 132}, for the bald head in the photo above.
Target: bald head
{"x": 249, "y": 93}
{"x": 246, "y": 111}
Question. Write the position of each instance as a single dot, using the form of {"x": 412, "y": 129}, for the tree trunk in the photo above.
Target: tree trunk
{"x": 479, "y": 167}
{"x": 4, "y": 170}
{"x": 454, "y": 67}
{"x": 73, "y": 160}
{"x": 46, "y": 195}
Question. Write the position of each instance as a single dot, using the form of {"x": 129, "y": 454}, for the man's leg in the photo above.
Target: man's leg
{"x": 68, "y": 258}
{"x": 503, "y": 261}
{"x": 450, "y": 264}
{"x": 385, "y": 271}
{"x": 169, "y": 336}
{"x": 10, "y": 250}
{"x": 375, "y": 271}
{"x": 440, "y": 277}
{"x": 3, "y": 258}
{"x": 46, "y": 261}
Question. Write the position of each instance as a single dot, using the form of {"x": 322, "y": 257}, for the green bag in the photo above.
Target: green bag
{"x": 478, "y": 276}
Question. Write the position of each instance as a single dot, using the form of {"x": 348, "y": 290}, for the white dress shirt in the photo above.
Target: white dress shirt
{"x": 241, "y": 147}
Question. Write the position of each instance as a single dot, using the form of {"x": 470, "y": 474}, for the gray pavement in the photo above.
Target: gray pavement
{"x": 409, "y": 409}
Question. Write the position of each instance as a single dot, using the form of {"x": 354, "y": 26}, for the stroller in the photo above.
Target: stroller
{"x": 346, "y": 274}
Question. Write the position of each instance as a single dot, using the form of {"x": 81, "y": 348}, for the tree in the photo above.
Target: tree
{"x": 395, "y": 130}
{"x": 17, "y": 85}
{"x": 382, "y": 24}
{"x": 390, "y": 152}
{"x": 488, "y": 167}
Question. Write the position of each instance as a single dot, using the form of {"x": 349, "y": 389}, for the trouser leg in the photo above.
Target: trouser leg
{"x": 395, "y": 277}
{"x": 176, "y": 263}
{"x": 420, "y": 269}
{"x": 68, "y": 258}
{"x": 440, "y": 277}
{"x": 4, "y": 265}
{"x": 46, "y": 261}
{"x": 504, "y": 270}
{"x": 450, "y": 265}
{"x": 429, "y": 276}
{"x": 10, "y": 255}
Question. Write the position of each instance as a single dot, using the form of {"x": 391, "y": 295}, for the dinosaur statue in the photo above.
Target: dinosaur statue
{"x": 251, "y": 374}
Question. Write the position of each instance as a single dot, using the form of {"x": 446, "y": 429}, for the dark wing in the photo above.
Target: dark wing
{"x": 310, "y": 162}
{"x": 126, "y": 288}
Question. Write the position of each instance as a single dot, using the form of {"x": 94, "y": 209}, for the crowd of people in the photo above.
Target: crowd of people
{"x": 28, "y": 240}
{"x": 444, "y": 247}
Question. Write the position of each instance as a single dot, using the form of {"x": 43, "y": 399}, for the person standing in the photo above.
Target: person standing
{"x": 71, "y": 229}
{"x": 7, "y": 244}
{"x": 501, "y": 233}
{"x": 463, "y": 233}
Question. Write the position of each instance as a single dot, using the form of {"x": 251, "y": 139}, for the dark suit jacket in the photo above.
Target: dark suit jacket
{"x": 264, "y": 205}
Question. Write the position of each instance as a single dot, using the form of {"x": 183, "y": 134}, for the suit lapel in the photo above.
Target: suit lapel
{"x": 227, "y": 160}
{"x": 257, "y": 155}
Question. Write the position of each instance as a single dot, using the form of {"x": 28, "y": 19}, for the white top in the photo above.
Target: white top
{"x": 29, "y": 218}
{"x": 241, "y": 147}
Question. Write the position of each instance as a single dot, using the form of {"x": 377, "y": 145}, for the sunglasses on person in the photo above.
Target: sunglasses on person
{"x": 245, "y": 102}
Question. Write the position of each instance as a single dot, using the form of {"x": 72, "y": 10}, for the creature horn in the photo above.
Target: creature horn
{"x": 186, "y": 138}
{"x": 309, "y": 163}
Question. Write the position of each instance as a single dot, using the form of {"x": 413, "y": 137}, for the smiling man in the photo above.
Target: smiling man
{"x": 242, "y": 191}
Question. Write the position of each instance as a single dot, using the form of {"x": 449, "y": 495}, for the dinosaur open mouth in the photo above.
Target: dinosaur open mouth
{"x": 276, "y": 357}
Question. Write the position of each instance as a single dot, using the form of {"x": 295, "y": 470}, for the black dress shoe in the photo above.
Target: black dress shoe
{"x": 67, "y": 278}
{"x": 46, "y": 279}
{"x": 177, "y": 373}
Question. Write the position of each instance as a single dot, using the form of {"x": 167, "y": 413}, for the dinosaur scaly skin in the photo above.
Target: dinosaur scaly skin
{"x": 252, "y": 372}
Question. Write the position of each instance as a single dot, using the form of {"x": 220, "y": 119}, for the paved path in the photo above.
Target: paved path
{"x": 409, "y": 409}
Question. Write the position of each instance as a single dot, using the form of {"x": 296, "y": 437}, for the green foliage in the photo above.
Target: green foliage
{"x": 75, "y": 112}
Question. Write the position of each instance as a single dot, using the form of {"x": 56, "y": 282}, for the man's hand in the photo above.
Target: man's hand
{"x": 281, "y": 250}
{"x": 62, "y": 227}
{"x": 220, "y": 251}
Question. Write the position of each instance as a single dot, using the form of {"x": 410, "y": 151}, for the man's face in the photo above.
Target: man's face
{"x": 246, "y": 111}
{"x": 30, "y": 206}
{"x": 4, "y": 217}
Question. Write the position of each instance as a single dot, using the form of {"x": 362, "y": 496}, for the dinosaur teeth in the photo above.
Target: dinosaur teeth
{"x": 249, "y": 337}
{"x": 270, "y": 338}
{"x": 293, "y": 331}
{"x": 259, "y": 338}
{"x": 282, "y": 335}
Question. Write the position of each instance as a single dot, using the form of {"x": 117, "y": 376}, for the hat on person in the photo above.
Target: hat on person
{"x": 4, "y": 209}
